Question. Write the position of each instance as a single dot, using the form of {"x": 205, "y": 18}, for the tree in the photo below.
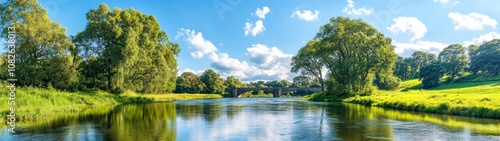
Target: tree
{"x": 285, "y": 83}
{"x": 132, "y": 51}
{"x": 214, "y": 84}
{"x": 189, "y": 82}
{"x": 273, "y": 84}
{"x": 486, "y": 57}
{"x": 353, "y": 51}
{"x": 431, "y": 74}
{"x": 454, "y": 60}
{"x": 386, "y": 81}
{"x": 308, "y": 62}
{"x": 301, "y": 81}
{"x": 474, "y": 62}
{"x": 420, "y": 59}
{"x": 401, "y": 68}
{"x": 42, "y": 58}
{"x": 233, "y": 82}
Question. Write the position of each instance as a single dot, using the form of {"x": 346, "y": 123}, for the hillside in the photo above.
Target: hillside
{"x": 471, "y": 95}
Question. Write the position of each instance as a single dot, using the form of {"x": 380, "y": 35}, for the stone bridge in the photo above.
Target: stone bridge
{"x": 275, "y": 91}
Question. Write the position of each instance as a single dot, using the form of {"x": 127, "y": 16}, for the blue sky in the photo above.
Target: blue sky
{"x": 254, "y": 40}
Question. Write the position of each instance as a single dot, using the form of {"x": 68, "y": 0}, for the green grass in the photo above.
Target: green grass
{"x": 38, "y": 105}
{"x": 472, "y": 95}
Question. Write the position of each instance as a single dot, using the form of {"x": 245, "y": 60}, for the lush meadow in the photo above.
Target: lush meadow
{"x": 475, "y": 96}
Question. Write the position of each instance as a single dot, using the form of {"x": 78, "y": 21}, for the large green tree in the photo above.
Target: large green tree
{"x": 454, "y": 60}
{"x": 308, "y": 61}
{"x": 214, "y": 84}
{"x": 189, "y": 82}
{"x": 486, "y": 57}
{"x": 132, "y": 51}
{"x": 353, "y": 51}
{"x": 42, "y": 47}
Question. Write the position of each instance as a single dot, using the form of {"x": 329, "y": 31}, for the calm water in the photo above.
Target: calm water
{"x": 256, "y": 119}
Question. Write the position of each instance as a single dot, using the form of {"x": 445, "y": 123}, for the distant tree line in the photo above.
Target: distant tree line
{"x": 211, "y": 82}
{"x": 453, "y": 61}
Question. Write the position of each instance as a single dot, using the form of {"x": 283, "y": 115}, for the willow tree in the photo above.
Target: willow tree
{"x": 308, "y": 62}
{"x": 42, "y": 54}
{"x": 353, "y": 51}
{"x": 134, "y": 53}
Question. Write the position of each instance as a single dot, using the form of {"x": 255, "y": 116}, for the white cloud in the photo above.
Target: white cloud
{"x": 406, "y": 49}
{"x": 261, "y": 13}
{"x": 416, "y": 28}
{"x": 268, "y": 58}
{"x": 483, "y": 38}
{"x": 254, "y": 29}
{"x": 197, "y": 72}
{"x": 196, "y": 39}
{"x": 471, "y": 21}
{"x": 222, "y": 61}
{"x": 351, "y": 10}
{"x": 270, "y": 62}
{"x": 197, "y": 54}
{"x": 306, "y": 15}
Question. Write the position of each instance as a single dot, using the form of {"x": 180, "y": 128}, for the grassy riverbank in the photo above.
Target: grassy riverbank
{"x": 474, "y": 96}
{"x": 33, "y": 104}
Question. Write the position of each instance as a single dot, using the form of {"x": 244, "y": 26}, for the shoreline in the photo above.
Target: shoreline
{"x": 423, "y": 101}
{"x": 36, "y": 105}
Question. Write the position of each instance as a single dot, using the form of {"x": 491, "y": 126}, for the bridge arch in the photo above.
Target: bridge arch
{"x": 277, "y": 92}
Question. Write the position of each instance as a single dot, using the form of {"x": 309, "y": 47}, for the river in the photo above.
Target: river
{"x": 256, "y": 119}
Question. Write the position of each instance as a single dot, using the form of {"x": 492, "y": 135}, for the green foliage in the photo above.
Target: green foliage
{"x": 256, "y": 94}
{"x": 189, "y": 83}
{"x": 278, "y": 84}
{"x": 214, "y": 84}
{"x": 454, "y": 60}
{"x": 301, "y": 81}
{"x": 353, "y": 51}
{"x": 386, "y": 81}
{"x": 42, "y": 58}
{"x": 233, "y": 82}
{"x": 130, "y": 49}
{"x": 407, "y": 68}
{"x": 309, "y": 62}
{"x": 431, "y": 74}
{"x": 486, "y": 57}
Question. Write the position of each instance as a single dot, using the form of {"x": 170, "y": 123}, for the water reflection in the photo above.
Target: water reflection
{"x": 141, "y": 122}
{"x": 257, "y": 119}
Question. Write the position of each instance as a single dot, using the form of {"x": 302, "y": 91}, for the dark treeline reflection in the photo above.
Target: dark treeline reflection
{"x": 156, "y": 121}
{"x": 356, "y": 122}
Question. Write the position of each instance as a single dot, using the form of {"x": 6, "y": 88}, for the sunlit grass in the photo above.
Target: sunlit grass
{"x": 33, "y": 104}
{"x": 469, "y": 96}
